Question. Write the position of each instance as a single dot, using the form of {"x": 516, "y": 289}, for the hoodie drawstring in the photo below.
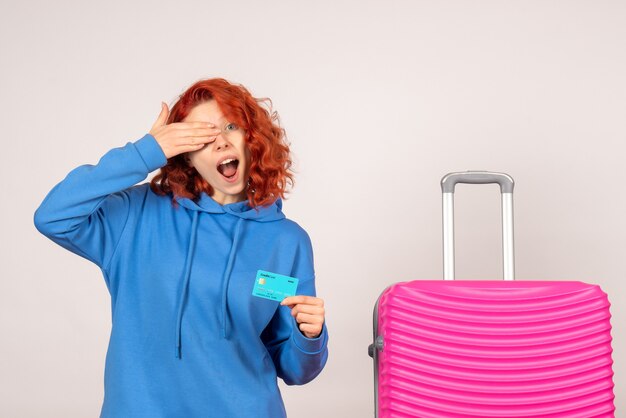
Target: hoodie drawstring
{"x": 226, "y": 279}
{"x": 183, "y": 293}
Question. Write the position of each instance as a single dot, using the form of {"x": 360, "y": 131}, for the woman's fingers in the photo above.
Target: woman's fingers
{"x": 306, "y": 318}
{"x": 309, "y": 300}
{"x": 310, "y": 331}
{"x": 308, "y": 312}
{"x": 180, "y": 137}
{"x": 194, "y": 136}
{"x": 309, "y": 309}
{"x": 190, "y": 125}
{"x": 190, "y": 129}
{"x": 305, "y": 304}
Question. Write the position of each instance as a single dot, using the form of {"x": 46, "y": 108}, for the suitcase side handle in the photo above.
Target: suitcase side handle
{"x": 448, "y": 183}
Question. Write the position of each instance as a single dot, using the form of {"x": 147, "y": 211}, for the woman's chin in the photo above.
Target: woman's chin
{"x": 229, "y": 194}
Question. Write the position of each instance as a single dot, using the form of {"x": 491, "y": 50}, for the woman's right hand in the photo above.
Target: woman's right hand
{"x": 180, "y": 137}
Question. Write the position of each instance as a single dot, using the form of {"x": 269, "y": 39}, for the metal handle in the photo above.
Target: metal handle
{"x": 448, "y": 183}
{"x": 477, "y": 177}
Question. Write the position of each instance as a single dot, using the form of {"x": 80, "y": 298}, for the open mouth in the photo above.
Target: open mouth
{"x": 228, "y": 167}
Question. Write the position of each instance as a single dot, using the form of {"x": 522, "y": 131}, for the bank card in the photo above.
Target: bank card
{"x": 274, "y": 286}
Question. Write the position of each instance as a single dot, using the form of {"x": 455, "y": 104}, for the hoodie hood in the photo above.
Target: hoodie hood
{"x": 241, "y": 210}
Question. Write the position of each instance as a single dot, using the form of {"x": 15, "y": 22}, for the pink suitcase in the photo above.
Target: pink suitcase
{"x": 469, "y": 349}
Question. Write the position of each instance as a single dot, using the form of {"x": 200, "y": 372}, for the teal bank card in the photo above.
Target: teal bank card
{"x": 274, "y": 286}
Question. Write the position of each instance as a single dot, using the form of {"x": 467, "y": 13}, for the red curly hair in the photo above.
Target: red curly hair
{"x": 270, "y": 161}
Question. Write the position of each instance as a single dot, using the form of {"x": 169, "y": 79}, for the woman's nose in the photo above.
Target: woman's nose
{"x": 221, "y": 142}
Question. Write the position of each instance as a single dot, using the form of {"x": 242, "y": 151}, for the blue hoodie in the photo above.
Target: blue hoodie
{"x": 188, "y": 339}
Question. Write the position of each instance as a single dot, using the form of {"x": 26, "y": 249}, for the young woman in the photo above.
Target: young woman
{"x": 181, "y": 256}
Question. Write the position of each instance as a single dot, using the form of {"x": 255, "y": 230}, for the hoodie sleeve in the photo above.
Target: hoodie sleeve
{"x": 298, "y": 359}
{"x": 86, "y": 212}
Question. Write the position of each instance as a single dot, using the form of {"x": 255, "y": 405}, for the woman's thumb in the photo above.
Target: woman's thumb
{"x": 162, "y": 118}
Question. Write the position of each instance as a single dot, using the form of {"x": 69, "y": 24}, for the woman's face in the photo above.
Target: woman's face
{"x": 224, "y": 163}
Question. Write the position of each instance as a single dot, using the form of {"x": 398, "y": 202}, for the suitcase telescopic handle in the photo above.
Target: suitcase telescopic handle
{"x": 448, "y": 183}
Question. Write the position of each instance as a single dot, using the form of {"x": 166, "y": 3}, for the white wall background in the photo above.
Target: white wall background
{"x": 380, "y": 99}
